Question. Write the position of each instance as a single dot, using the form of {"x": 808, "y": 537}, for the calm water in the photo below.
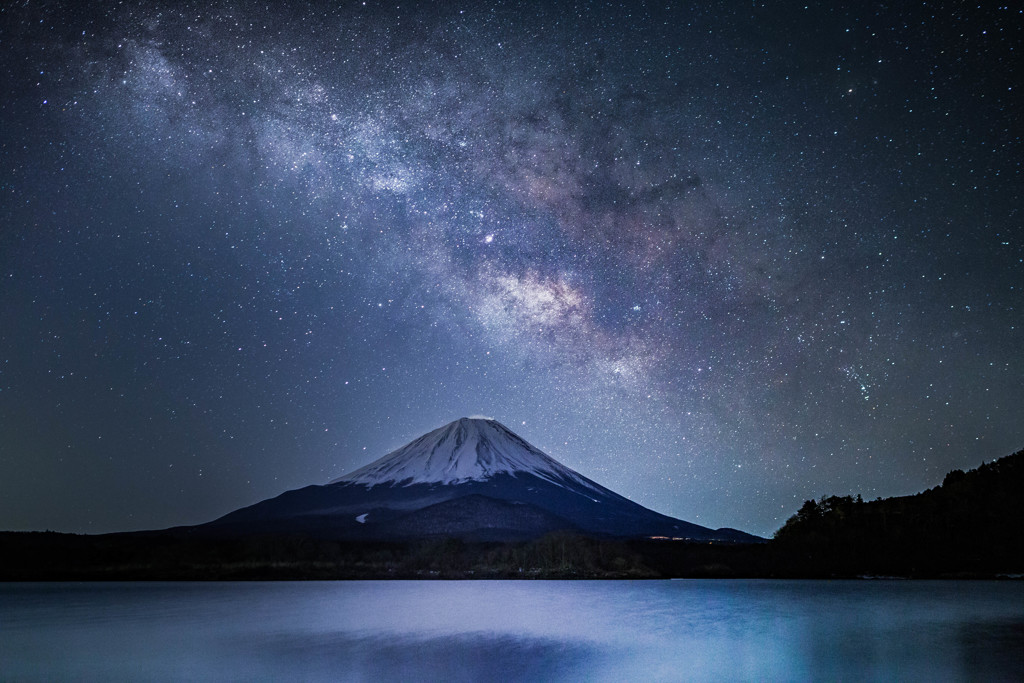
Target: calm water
{"x": 513, "y": 630}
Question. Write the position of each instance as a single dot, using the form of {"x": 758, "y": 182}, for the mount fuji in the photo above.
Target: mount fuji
{"x": 473, "y": 479}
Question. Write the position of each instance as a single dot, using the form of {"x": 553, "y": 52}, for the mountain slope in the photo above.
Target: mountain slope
{"x": 460, "y": 480}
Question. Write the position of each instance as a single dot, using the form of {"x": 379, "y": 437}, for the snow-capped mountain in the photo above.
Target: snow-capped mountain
{"x": 473, "y": 478}
{"x": 470, "y": 449}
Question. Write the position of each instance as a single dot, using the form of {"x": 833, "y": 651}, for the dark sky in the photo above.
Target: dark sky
{"x": 720, "y": 258}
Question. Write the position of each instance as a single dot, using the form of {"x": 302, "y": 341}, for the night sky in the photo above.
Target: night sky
{"x": 719, "y": 258}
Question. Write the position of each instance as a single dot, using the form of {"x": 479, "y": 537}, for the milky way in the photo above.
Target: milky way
{"x": 718, "y": 259}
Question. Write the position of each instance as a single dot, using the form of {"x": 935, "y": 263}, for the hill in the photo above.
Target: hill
{"x": 971, "y": 524}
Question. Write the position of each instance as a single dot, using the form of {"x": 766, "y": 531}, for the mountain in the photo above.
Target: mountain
{"x": 473, "y": 479}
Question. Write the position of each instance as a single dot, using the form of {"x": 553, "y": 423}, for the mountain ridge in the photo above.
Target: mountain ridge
{"x": 969, "y": 526}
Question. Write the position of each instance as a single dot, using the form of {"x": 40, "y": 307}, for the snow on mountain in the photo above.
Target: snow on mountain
{"x": 468, "y": 449}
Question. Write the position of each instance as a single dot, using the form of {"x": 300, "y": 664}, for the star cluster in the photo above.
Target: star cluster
{"x": 720, "y": 259}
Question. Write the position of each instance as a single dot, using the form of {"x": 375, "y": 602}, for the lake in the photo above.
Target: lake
{"x": 513, "y": 631}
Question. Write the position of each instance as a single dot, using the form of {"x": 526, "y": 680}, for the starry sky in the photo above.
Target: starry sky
{"x": 718, "y": 257}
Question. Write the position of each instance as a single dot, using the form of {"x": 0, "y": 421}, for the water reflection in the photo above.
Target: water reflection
{"x": 993, "y": 647}
{"x": 468, "y": 657}
{"x": 493, "y": 630}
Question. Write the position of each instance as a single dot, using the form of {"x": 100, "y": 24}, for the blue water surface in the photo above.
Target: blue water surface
{"x": 513, "y": 631}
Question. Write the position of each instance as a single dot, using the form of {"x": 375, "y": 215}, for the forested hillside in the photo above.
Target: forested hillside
{"x": 972, "y": 523}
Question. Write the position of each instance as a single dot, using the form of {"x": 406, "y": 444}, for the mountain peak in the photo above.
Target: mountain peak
{"x": 468, "y": 449}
